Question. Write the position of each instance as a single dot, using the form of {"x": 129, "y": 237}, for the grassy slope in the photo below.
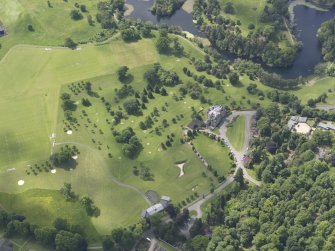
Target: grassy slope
{"x": 319, "y": 87}
{"x": 214, "y": 153}
{"x": 236, "y": 133}
{"x": 248, "y": 12}
{"x": 44, "y": 206}
{"x": 52, "y": 25}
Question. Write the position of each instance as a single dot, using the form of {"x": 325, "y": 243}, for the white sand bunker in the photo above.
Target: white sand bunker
{"x": 53, "y": 171}
{"x": 181, "y": 167}
{"x": 75, "y": 157}
{"x": 69, "y": 132}
{"x": 48, "y": 49}
{"x": 20, "y": 182}
{"x": 129, "y": 9}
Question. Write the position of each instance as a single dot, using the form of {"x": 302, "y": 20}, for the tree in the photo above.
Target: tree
{"x": 239, "y": 177}
{"x": 130, "y": 34}
{"x": 163, "y": 44}
{"x": 88, "y": 204}
{"x": 67, "y": 241}
{"x": 132, "y": 107}
{"x": 45, "y": 235}
{"x": 61, "y": 224}
{"x": 233, "y": 78}
{"x": 70, "y": 43}
{"x": 178, "y": 48}
{"x": 198, "y": 243}
{"x": 66, "y": 190}
{"x": 76, "y": 15}
{"x": 122, "y": 73}
{"x": 30, "y": 27}
{"x": 229, "y": 8}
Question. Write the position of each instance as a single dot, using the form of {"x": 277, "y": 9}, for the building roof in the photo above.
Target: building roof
{"x": 215, "y": 110}
{"x": 326, "y": 126}
{"x": 295, "y": 120}
{"x": 2, "y": 28}
{"x": 155, "y": 209}
{"x": 166, "y": 198}
{"x": 195, "y": 124}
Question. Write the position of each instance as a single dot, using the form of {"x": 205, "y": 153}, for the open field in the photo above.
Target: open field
{"x": 44, "y": 206}
{"x": 51, "y": 24}
{"x": 214, "y": 153}
{"x": 30, "y": 112}
{"x": 36, "y": 91}
{"x": 318, "y": 87}
{"x": 236, "y": 132}
{"x": 248, "y": 12}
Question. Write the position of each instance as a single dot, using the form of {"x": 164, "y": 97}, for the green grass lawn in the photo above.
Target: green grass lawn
{"x": 215, "y": 154}
{"x": 248, "y": 12}
{"x": 236, "y": 132}
{"x": 30, "y": 114}
{"x": 318, "y": 87}
{"x": 51, "y": 25}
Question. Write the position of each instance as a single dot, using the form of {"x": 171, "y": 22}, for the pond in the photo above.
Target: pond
{"x": 181, "y": 18}
{"x": 308, "y": 21}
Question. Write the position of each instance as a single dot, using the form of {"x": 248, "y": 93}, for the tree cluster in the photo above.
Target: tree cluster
{"x": 131, "y": 144}
{"x": 326, "y": 37}
{"x": 60, "y": 236}
{"x": 164, "y": 8}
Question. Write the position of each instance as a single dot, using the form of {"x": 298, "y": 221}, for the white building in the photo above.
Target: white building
{"x": 294, "y": 120}
{"x": 215, "y": 115}
{"x": 156, "y": 208}
{"x": 326, "y": 126}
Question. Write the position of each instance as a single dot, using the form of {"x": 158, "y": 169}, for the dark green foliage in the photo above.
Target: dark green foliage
{"x": 70, "y": 43}
{"x": 124, "y": 91}
{"x": 229, "y": 8}
{"x": 233, "y": 78}
{"x": 326, "y": 36}
{"x": 163, "y": 42}
{"x": 161, "y": 77}
{"x": 163, "y": 8}
{"x": 122, "y": 73}
{"x": 62, "y": 158}
{"x": 67, "y": 241}
{"x": 122, "y": 239}
{"x": 132, "y": 107}
{"x": 86, "y": 102}
{"x": 67, "y": 192}
{"x": 107, "y": 11}
{"x": 130, "y": 34}
{"x": 88, "y": 204}
{"x": 131, "y": 144}
{"x": 76, "y": 15}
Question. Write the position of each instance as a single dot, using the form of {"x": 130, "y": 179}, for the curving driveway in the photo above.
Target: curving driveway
{"x": 238, "y": 155}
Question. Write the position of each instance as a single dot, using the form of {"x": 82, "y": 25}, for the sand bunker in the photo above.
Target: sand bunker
{"x": 302, "y": 128}
{"x": 20, "y": 182}
{"x": 69, "y": 132}
{"x": 188, "y": 6}
{"x": 181, "y": 167}
{"x": 129, "y": 9}
{"x": 75, "y": 157}
{"x": 53, "y": 171}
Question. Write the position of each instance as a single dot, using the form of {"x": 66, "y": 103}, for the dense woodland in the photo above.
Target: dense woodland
{"x": 326, "y": 36}
{"x": 259, "y": 45}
